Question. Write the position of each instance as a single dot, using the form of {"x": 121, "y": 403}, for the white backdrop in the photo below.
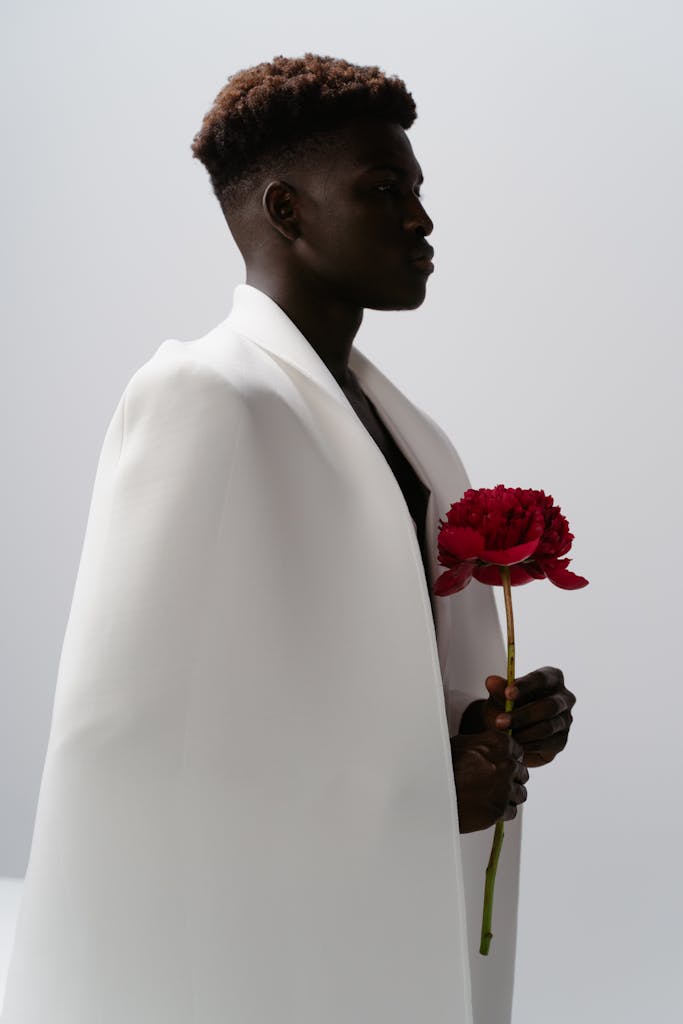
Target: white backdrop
{"x": 550, "y": 139}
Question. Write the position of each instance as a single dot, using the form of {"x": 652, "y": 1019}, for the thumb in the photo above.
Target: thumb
{"x": 496, "y": 686}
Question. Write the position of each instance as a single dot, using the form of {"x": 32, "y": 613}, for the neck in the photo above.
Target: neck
{"x": 327, "y": 322}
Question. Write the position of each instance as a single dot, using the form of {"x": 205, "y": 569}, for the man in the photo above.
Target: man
{"x": 268, "y": 753}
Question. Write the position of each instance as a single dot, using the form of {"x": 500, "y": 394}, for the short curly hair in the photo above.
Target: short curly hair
{"x": 286, "y": 108}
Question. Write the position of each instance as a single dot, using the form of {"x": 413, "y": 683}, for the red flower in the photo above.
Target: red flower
{"x": 498, "y": 526}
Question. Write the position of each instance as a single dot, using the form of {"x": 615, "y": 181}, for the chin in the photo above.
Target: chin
{"x": 405, "y": 298}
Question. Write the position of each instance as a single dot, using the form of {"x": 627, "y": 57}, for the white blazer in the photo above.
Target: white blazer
{"x": 247, "y": 812}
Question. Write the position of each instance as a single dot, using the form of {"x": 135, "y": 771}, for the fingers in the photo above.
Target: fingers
{"x": 514, "y": 774}
{"x": 490, "y": 777}
{"x": 516, "y": 748}
{"x": 538, "y": 684}
{"x": 541, "y": 752}
{"x": 542, "y": 694}
{"x": 542, "y": 731}
{"x": 533, "y": 686}
{"x": 540, "y": 711}
{"x": 518, "y": 795}
{"x": 496, "y": 686}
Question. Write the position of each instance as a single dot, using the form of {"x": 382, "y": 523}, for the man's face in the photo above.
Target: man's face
{"x": 362, "y": 222}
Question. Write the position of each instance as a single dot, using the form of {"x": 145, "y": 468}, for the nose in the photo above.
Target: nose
{"x": 417, "y": 216}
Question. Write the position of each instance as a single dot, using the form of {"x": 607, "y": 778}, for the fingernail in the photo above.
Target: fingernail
{"x": 503, "y": 721}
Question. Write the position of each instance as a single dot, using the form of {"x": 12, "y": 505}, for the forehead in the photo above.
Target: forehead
{"x": 367, "y": 145}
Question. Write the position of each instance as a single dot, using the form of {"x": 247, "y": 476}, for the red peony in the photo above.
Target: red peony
{"x": 503, "y": 536}
{"x": 496, "y": 526}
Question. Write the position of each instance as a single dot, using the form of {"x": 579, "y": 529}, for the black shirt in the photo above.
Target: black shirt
{"x": 415, "y": 492}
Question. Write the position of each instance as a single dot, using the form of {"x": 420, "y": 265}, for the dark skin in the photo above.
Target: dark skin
{"x": 540, "y": 723}
{"x": 326, "y": 242}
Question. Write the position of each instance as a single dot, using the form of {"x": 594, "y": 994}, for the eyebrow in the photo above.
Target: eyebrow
{"x": 402, "y": 173}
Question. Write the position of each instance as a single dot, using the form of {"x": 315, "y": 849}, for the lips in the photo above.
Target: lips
{"x": 423, "y": 263}
{"x": 424, "y": 253}
{"x": 422, "y": 258}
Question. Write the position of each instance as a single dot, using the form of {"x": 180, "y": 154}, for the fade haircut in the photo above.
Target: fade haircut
{"x": 287, "y": 109}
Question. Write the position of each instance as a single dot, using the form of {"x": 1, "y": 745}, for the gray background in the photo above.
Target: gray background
{"x": 548, "y": 348}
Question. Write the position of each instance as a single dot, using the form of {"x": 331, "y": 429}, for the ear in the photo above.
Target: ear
{"x": 281, "y": 206}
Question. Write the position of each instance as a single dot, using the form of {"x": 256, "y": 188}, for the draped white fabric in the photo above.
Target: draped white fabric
{"x": 247, "y": 810}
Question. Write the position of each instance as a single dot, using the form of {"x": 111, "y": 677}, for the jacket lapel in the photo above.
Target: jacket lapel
{"x": 408, "y": 430}
{"x": 257, "y": 316}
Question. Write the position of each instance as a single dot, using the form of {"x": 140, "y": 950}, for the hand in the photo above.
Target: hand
{"x": 489, "y": 778}
{"x": 540, "y": 720}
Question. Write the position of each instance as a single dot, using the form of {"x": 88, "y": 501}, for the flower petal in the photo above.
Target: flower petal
{"x": 461, "y": 541}
{"x": 557, "y": 572}
{"x": 534, "y": 569}
{"x": 453, "y": 580}
{"x": 491, "y": 574}
{"x": 510, "y": 555}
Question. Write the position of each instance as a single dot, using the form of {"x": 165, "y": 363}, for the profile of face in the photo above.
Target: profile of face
{"x": 355, "y": 222}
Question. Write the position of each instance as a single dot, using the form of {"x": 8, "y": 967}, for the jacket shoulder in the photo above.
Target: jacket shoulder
{"x": 177, "y": 392}
{"x": 176, "y": 363}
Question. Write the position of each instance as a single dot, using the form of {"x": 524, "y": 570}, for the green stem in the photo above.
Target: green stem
{"x": 492, "y": 867}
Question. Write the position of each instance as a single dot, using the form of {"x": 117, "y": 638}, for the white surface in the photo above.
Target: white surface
{"x": 10, "y": 894}
{"x": 549, "y": 348}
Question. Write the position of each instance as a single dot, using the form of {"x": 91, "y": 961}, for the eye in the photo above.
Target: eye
{"x": 392, "y": 186}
